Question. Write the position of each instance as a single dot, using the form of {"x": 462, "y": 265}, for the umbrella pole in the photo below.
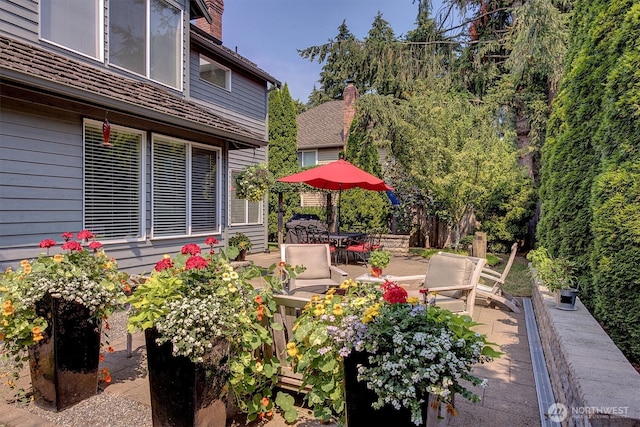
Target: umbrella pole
{"x": 280, "y": 215}
{"x": 339, "y": 202}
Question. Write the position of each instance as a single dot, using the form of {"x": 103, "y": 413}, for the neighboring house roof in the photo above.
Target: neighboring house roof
{"x": 321, "y": 126}
{"x": 31, "y": 66}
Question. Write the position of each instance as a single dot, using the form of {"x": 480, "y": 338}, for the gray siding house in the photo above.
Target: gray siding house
{"x": 128, "y": 119}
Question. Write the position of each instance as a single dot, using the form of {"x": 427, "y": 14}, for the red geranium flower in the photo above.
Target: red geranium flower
{"x": 211, "y": 241}
{"x": 163, "y": 264}
{"x": 393, "y": 293}
{"x": 195, "y": 261}
{"x": 191, "y": 249}
{"x": 47, "y": 243}
{"x": 85, "y": 235}
{"x": 67, "y": 236}
{"x": 72, "y": 246}
{"x": 95, "y": 246}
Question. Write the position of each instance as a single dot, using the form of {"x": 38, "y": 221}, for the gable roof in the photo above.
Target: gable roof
{"x": 34, "y": 67}
{"x": 321, "y": 126}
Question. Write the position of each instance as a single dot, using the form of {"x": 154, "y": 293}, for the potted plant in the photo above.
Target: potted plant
{"x": 378, "y": 260}
{"x": 375, "y": 340}
{"x": 557, "y": 275}
{"x": 242, "y": 243}
{"x": 53, "y": 306}
{"x": 253, "y": 182}
{"x": 203, "y": 324}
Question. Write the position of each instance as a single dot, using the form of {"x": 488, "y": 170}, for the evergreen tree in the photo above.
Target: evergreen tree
{"x": 283, "y": 158}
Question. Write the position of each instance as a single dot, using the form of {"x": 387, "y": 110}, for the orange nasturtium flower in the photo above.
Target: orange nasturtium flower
{"x": 265, "y": 401}
{"x": 57, "y": 258}
{"x": 258, "y": 299}
{"x": 37, "y": 333}
{"x": 260, "y": 312}
{"x": 7, "y": 308}
{"x": 105, "y": 375}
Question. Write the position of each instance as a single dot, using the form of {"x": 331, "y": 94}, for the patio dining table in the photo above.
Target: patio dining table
{"x": 341, "y": 239}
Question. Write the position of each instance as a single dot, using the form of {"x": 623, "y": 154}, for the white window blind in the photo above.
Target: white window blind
{"x": 203, "y": 190}
{"x": 169, "y": 188}
{"x": 112, "y": 183}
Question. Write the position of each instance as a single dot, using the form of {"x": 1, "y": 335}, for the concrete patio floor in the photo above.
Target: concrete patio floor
{"x": 509, "y": 399}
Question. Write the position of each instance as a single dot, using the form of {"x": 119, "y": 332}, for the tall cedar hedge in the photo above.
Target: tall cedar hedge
{"x": 590, "y": 189}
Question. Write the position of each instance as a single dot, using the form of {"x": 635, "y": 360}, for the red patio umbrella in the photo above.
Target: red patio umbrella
{"x": 339, "y": 175}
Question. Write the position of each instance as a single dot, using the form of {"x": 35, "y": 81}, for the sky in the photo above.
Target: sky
{"x": 269, "y": 32}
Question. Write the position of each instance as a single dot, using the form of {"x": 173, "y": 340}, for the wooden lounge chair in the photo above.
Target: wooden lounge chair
{"x": 491, "y": 282}
{"x": 319, "y": 275}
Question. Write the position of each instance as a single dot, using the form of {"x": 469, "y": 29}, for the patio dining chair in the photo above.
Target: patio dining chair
{"x": 359, "y": 247}
{"x": 319, "y": 275}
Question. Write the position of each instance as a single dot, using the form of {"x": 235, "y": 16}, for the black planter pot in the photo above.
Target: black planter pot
{"x": 184, "y": 393}
{"x": 64, "y": 364}
{"x": 359, "y": 400}
{"x": 567, "y": 299}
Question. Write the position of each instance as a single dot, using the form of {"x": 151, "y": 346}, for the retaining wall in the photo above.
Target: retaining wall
{"x": 589, "y": 375}
{"x": 397, "y": 244}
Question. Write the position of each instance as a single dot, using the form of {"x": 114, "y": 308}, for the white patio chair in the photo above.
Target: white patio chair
{"x": 454, "y": 279}
{"x": 319, "y": 275}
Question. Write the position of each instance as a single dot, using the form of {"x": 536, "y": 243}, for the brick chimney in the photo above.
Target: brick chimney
{"x": 349, "y": 96}
{"x": 216, "y": 8}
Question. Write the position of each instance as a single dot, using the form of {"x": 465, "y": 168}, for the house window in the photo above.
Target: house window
{"x": 215, "y": 73}
{"x": 307, "y": 158}
{"x": 145, "y": 36}
{"x": 74, "y": 24}
{"x": 243, "y": 211}
{"x": 113, "y": 197}
{"x": 185, "y": 188}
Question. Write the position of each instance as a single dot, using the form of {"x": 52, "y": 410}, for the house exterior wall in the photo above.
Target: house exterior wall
{"x": 245, "y": 101}
{"x": 41, "y": 152}
{"x": 316, "y": 199}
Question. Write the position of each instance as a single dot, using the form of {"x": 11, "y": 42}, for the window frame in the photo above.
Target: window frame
{"x": 227, "y": 70}
{"x": 217, "y": 151}
{"x": 142, "y": 229}
{"x": 232, "y": 193}
{"x": 301, "y": 157}
{"x": 99, "y": 28}
{"x": 180, "y": 53}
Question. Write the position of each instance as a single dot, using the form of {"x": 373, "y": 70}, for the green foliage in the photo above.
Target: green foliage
{"x": 589, "y": 173}
{"x": 380, "y": 258}
{"x": 362, "y": 209}
{"x": 240, "y": 241}
{"x": 554, "y": 273}
{"x": 283, "y": 159}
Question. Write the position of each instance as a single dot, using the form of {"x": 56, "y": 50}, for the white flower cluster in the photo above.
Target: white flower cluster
{"x": 82, "y": 290}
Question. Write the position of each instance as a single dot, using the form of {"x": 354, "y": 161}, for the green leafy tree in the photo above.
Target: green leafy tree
{"x": 283, "y": 158}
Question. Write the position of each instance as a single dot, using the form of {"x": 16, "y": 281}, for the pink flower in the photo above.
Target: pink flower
{"x": 211, "y": 241}
{"x": 67, "y": 236}
{"x": 47, "y": 243}
{"x": 191, "y": 249}
{"x": 85, "y": 235}
{"x": 95, "y": 246}
{"x": 163, "y": 264}
{"x": 195, "y": 262}
{"x": 72, "y": 246}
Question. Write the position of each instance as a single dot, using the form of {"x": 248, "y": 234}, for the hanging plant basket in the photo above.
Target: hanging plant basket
{"x": 253, "y": 182}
